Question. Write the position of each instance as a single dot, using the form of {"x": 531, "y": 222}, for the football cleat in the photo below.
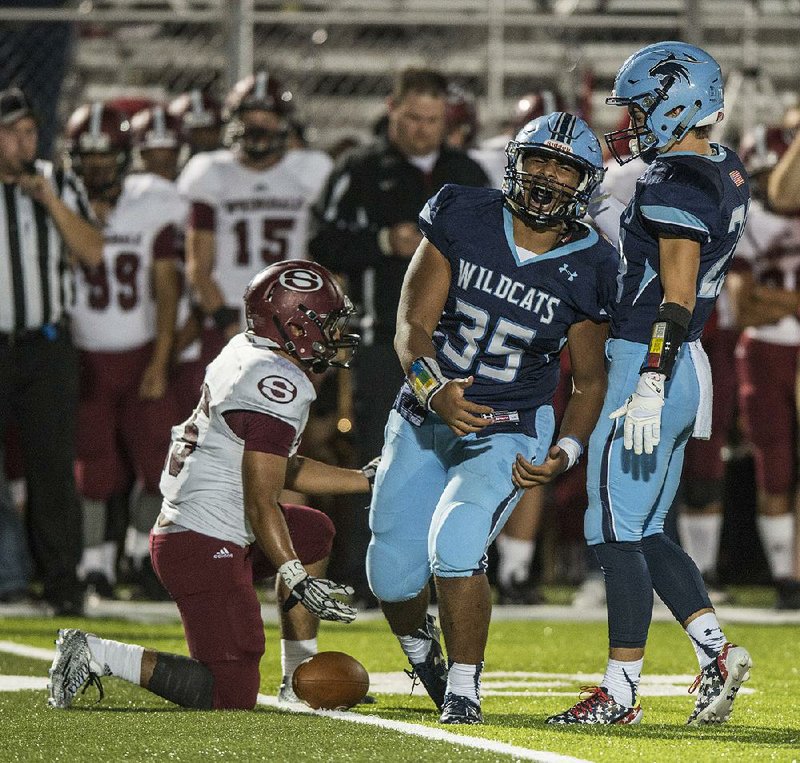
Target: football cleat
{"x": 71, "y": 669}
{"x": 597, "y": 708}
{"x": 432, "y": 673}
{"x": 524, "y": 593}
{"x": 286, "y": 692}
{"x": 718, "y": 684}
{"x": 460, "y": 710}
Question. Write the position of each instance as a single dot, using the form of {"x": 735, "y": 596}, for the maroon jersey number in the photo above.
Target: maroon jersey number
{"x": 274, "y": 240}
{"x": 187, "y": 443}
{"x": 126, "y": 269}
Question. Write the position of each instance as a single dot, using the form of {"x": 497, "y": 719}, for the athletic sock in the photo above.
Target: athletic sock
{"x": 116, "y": 658}
{"x": 777, "y": 537}
{"x": 621, "y": 681}
{"x": 707, "y": 638}
{"x": 295, "y": 652}
{"x": 514, "y": 562}
{"x": 415, "y": 648}
{"x": 465, "y": 681}
{"x": 700, "y": 535}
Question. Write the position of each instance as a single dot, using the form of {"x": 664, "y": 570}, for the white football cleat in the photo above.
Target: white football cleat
{"x": 286, "y": 693}
{"x": 718, "y": 683}
{"x": 71, "y": 669}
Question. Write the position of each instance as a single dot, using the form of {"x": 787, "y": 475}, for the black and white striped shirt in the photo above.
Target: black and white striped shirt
{"x": 35, "y": 279}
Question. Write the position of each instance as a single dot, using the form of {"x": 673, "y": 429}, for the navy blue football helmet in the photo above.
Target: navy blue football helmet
{"x": 672, "y": 87}
{"x": 543, "y": 200}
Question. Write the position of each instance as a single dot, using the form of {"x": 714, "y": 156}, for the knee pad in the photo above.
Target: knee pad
{"x": 392, "y": 574}
{"x": 184, "y": 681}
{"x": 675, "y": 576}
{"x": 312, "y": 532}
{"x": 458, "y": 539}
{"x": 629, "y": 593}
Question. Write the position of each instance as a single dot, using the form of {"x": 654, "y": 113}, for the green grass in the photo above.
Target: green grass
{"x": 130, "y": 724}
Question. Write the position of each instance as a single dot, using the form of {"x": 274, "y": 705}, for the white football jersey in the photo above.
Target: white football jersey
{"x": 114, "y": 306}
{"x": 771, "y": 247}
{"x": 202, "y": 478}
{"x": 260, "y": 216}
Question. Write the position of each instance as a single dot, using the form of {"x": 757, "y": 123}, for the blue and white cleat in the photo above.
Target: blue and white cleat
{"x": 460, "y": 710}
{"x": 432, "y": 673}
{"x": 719, "y": 683}
{"x": 598, "y": 708}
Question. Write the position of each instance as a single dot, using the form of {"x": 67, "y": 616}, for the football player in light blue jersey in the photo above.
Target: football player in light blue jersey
{"x": 676, "y": 241}
{"x": 501, "y": 281}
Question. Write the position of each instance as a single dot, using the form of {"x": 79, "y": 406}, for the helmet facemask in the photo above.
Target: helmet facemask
{"x": 541, "y": 198}
{"x": 257, "y": 141}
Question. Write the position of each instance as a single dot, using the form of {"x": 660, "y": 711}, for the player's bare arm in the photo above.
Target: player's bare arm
{"x": 200, "y": 252}
{"x": 263, "y": 477}
{"x": 167, "y": 290}
{"x": 783, "y": 189}
{"x": 422, "y": 301}
{"x": 679, "y": 263}
{"x": 305, "y": 475}
{"x": 586, "y": 344}
{"x": 84, "y": 240}
{"x": 755, "y": 305}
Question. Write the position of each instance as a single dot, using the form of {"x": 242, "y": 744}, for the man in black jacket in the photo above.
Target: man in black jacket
{"x": 365, "y": 227}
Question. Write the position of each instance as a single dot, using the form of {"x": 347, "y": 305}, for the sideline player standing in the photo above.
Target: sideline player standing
{"x": 500, "y": 282}
{"x": 221, "y": 482}
{"x": 249, "y": 203}
{"x": 123, "y": 322}
{"x": 677, "y": 238}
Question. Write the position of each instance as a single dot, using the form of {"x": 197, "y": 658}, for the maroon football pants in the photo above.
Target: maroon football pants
{"x": 211, "y": 581}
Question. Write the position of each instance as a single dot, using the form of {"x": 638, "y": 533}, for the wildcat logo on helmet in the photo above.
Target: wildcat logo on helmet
{"x": 672, "y": 66}
{"x": 301, "y": 280}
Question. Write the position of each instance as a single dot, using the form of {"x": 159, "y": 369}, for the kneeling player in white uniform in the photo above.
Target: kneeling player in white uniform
{"x": 227, "y": 466}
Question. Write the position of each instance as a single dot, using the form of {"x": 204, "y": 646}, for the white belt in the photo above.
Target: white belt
{"x": 702, "y": 421}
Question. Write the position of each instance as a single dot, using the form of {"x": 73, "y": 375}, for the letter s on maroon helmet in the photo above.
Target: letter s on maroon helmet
{"x": 299, "y": 306}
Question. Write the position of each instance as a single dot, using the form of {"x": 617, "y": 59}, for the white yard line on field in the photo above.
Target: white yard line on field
{"x": 426, "y": 732}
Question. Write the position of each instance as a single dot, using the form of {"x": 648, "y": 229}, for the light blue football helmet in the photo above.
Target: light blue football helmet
{"x": 543, "y": 200}
{"x": 675, "y": 86}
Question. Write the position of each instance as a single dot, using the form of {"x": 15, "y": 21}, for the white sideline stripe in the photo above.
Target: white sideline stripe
{"x": 415, "y": 729}
{"x": 22, "y": 650}
{"x": 22, "y": 683}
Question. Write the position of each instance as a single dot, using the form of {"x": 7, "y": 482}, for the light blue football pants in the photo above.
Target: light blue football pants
{"x": 630, "y": 495}
{"x": 440, "y": 500}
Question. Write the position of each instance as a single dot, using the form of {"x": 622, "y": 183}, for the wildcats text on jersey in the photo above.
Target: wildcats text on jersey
{"x": 471, "y": 275}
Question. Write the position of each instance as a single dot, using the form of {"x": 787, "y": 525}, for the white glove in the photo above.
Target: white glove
{"x": 642, "y": 412}
{"x": 316, "y": 594}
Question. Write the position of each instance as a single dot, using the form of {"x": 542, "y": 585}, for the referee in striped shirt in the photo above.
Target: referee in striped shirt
{"x": 43, "y": 223}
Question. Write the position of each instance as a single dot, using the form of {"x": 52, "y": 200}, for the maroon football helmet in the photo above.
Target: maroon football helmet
{"x": 534, "y": 105}
{"x": 101, "y": 131}
{"x": 299, "y": 306}
{"x": 461, "y": 115}
{"x": 258, "y": 91}
{"x": 155, "y": 128}
{"x": 200, "y": 118}
{"x": 763, "y": 146}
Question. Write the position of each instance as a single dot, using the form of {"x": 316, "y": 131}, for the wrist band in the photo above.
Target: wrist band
{"x": 572, "y": 447}
{"x": 669, "y": 331}
{"x": 292, "y": 572}
{"x": 426, "y": 379}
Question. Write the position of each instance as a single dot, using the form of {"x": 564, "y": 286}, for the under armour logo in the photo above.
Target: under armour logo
{"x": 571, "y": 275}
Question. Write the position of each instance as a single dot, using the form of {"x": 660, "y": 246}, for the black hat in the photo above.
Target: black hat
{"x": 13, "y": 106}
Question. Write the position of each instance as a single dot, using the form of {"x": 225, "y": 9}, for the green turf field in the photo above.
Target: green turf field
{"x": 132, "y": 725}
